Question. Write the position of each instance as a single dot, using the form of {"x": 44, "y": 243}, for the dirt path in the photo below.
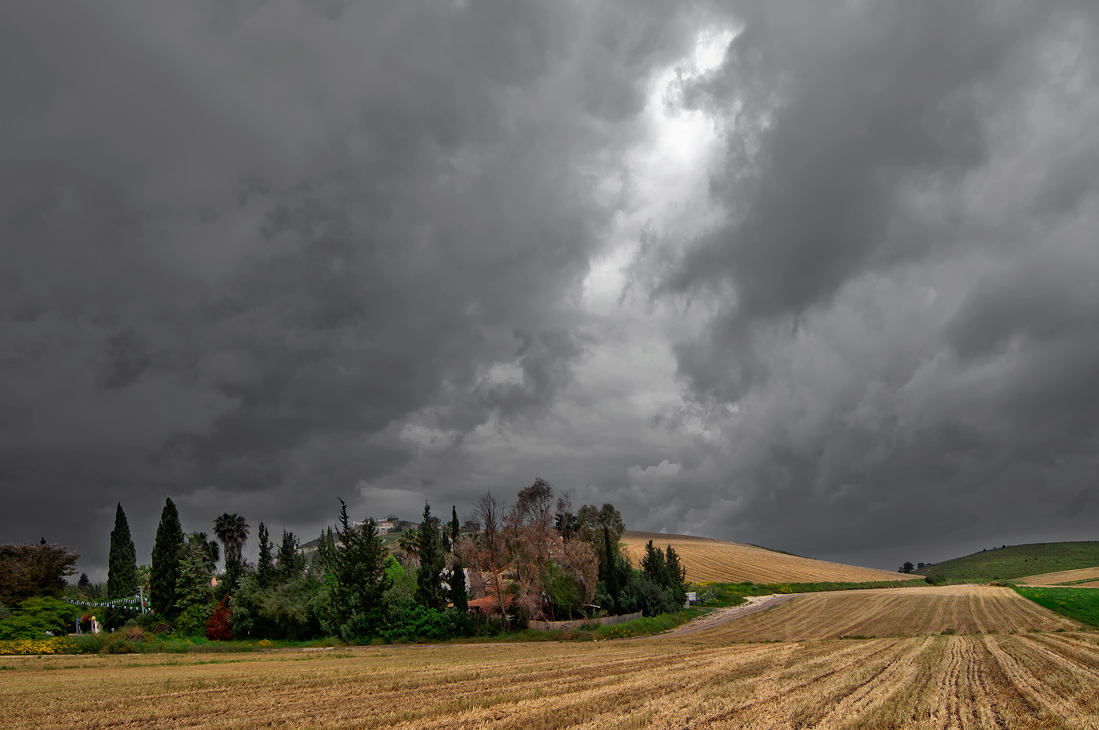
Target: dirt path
{"x": 754, "y": 604}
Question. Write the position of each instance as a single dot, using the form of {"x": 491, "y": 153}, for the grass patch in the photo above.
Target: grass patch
{"x": 1016, "y": 561}
{"x": 119, "y": 643}
{"x": 1079, "y": 604}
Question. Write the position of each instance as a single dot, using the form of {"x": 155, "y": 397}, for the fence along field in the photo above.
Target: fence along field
{"x": 709, "y": 560}
{"x": 704, "y": 680}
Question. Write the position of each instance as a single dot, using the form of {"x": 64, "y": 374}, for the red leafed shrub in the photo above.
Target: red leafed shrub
{"x": 218, "y": 627}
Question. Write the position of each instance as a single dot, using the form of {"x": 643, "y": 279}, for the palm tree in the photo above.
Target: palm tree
{"x": 232, "y": 530}
{"x": 409, "y": 543}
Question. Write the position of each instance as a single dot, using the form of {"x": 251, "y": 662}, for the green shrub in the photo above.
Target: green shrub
{"x": 192, "y": 622}
{"x": 38, "y": 618}
{"x": 420, "y": 623}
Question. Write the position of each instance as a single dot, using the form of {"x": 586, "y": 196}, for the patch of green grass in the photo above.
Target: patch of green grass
{"x": 1079, "y": 604}
{"x": 1016, "y": 561}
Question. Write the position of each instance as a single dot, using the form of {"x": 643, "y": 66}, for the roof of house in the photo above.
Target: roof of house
{"x": 488, "y": 602}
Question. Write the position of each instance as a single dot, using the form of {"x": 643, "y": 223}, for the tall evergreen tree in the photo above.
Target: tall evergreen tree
{"x": 355, "y": 562}
{"x": 457, "y": 571}
{"x": 265, "y": 565}
{"x": 121, "y": 567}
{"x": 676, "y": 574}
{"x": 654, "y": 565}
{"x": 166, "y": 560}
{"x": 291, "y": 561}
{"x": 429, "y": 588}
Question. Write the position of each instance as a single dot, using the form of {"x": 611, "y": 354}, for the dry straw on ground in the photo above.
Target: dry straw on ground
{"x": 701, "y": 680}
{"x": 1061, "y": 576}
{"x": 711, "y": 560}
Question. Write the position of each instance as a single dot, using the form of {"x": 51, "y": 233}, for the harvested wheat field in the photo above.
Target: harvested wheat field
{"x": 894, "y": 612}
{"x": 1061, "y": 576}
{"x": 703, "y": 680}
{"x": 709, "y": 560}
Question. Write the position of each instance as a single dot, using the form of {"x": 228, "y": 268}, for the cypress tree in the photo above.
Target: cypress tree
{"x": 429, "y": 589}
{"x": 166, "y": 561}
{"x": 653, "y": 565}
{"x": 457, "y": 572}
{"x": 357, "y": 568}
{"x": 291, "y": 562}
{"x": 121, "y": 567}
{"x": 265, "y": 565}
{"x": 676, "y": 573}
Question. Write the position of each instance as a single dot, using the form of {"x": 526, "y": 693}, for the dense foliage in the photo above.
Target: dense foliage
{"x": 27, "y": 571}
{"x": 37, "y": 618}
{"x": 354, "y": 579}
{"x": 534, "y": 559}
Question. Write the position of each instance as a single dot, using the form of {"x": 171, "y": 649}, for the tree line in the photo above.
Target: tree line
{"x": 536, "y": 558}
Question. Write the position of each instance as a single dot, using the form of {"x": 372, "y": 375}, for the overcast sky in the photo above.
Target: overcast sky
{"x": 820, "y": 276}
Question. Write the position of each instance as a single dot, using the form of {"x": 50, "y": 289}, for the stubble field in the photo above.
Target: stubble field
{"x": 1061, "y": 576}
{"x": 718, "y": 678}
{"x": 709, "y": 560}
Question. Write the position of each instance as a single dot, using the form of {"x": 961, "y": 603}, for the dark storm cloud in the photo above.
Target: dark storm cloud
{"x": 904, "y": 306}
{"x": 242, "y": 240}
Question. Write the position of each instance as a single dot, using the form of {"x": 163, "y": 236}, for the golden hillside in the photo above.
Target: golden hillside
{"x": 1061, "y": 576}
{"x": 707, "y": 559}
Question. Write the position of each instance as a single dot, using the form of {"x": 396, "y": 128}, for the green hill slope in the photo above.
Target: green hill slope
{"x": 1016, "y": 561}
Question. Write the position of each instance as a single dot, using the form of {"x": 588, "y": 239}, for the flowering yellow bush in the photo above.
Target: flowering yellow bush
{"x": 56, "y": 645}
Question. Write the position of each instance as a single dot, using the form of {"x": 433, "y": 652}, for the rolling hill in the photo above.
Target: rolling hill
{"x": 710, "y": 560}
{"x": 1017, "y": 561}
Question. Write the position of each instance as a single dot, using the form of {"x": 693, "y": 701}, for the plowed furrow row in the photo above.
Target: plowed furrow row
{"x": 1030, "y": 686}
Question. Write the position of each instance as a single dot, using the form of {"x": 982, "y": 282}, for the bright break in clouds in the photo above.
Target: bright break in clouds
{"x": 817, "y": 276}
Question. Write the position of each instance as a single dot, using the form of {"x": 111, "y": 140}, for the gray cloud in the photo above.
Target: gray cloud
{"x": 263, "y": 254}
{"x": 248, "y": 238}
{"x": 902, "y": 303}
